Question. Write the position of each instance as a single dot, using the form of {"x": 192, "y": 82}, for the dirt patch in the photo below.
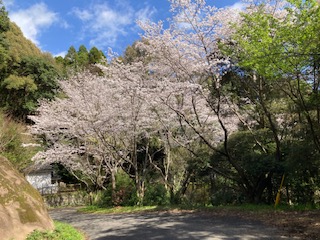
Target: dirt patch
{"x": 305, "y": 224}
{"x": 295, "y": 224}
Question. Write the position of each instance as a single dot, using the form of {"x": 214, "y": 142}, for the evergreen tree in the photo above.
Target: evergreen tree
{"x": 95, "y": 55}
{"x": 83, "y": 56}
{"x": 71, "y": 59}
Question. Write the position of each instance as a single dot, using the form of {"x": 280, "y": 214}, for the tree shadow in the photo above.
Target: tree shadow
{"x": 184, "y": 226}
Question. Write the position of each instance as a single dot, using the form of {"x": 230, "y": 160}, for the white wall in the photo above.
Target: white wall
{"x": 42, "y": 182}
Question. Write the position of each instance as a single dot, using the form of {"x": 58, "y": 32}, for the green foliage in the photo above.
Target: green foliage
{"x": 61, "y": 231}
{"x": 125, "y": 193}
{"x": 64, "y": 174}
{"x": 19, "y": 46}
{"x": 3, "y": 56}
{"x": 76, "y": 61}
{"x": 26, "y": 74}
{"x": 83, "y": 56}
{"x": 33, "y": 79}
{"x": 15, "y": 95}
{"x": 71, "y": 58}
{"x": 96, "y": 56}
{"x": 272, "y": 47}
{"x": 302, "y": 163}
{"x": 275, "y": 82}
{"x": 14, "y": 82}
{"x": 224, "y": 192}
{"x": 253, "y": 153}
{"x": 156, "y": 195}
{"x": 133, "y": 53}
{"x": 44, "y": 73}
{"x": 113, "y": 210}
{"x": 4, "y": 26}
{"x": 4, "y": 19}
{"x": 11, "y": 139}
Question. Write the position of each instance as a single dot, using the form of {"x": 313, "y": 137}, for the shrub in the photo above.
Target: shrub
{"x": 156, "y": 194}
{"x": 61, "y": 231}
{"x": 125, "y": 194}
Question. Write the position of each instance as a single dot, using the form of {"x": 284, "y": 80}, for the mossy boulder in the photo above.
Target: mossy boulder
{"x": 22, "y": 209}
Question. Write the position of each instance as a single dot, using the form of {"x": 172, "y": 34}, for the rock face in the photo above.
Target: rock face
{"x": 21, "y": 207}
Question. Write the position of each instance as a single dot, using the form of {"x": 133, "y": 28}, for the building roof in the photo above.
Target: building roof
{"x": 37, "y": 168}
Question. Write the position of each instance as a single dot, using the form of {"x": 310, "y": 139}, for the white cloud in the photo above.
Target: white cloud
{"x": 83, "y": 15}
{"x": 33, "y": 20}
{"x": 238, "y": 6}
{"x": 61, "y": 54}
{"x": 106, "y": 25}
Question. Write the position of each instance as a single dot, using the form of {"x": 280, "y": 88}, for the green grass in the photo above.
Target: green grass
{"x": 110, "y": 210}
{"x": 137, "y": 209}
{"x": 62, "y": 231}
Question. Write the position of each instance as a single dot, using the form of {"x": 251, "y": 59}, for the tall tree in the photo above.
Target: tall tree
{"x": 71, "y": 58}
{"x": 4, "y": 26}
{"x": 188, "y": 52}
{"x": 33, "y": 79}
{"x": 95, "y": 56}
{"x": 4, "y": 19}
{"x": 83, "y": 56}
{"x": 276, "y": 47}
{"x": 26, "y": 75}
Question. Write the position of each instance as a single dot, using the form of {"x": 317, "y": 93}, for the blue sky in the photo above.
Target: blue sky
{"x": 55, "y": 25}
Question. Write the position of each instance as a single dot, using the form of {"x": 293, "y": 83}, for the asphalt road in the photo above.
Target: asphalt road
{"x": 168, "y": 226}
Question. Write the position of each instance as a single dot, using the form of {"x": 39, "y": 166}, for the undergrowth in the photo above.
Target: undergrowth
{"x": 61, "y": 231}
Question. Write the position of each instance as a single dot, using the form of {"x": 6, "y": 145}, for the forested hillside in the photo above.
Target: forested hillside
{"x": 27, "y": 74}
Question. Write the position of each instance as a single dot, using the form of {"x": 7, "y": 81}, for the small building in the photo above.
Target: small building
{"x": 43, "y": 178}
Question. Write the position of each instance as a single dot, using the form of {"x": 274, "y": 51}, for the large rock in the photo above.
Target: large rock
{"x": 21, "y": 207}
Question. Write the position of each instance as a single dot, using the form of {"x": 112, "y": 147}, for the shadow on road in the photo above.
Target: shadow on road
{"x": 164, "y": 226}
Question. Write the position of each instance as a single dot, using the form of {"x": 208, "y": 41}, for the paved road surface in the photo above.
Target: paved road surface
{"x": 164, "y": 226}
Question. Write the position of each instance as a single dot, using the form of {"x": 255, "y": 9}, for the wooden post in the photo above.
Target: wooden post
{"x": 279, "y": 192}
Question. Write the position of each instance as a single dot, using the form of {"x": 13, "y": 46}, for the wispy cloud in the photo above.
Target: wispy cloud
{"x": 34, "y": 20}
{"x": 238, "y": 6}
{"x": 145, "y": 13}
{"x": 8, "y": 3}
{"x": 84, "y": 15}
{"x": 106, "y": 25}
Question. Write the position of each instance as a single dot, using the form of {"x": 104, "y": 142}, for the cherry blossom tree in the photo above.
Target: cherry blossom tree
{"x": 96, "y": 127}
{"x": 80, "y": 128}
{"x": 190, "y": 51}
{"x": 186, "y": 55}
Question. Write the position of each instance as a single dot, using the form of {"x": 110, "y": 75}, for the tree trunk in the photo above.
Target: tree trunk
{"x": 113, "y": 188}
{"x": 140, "y": 192}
